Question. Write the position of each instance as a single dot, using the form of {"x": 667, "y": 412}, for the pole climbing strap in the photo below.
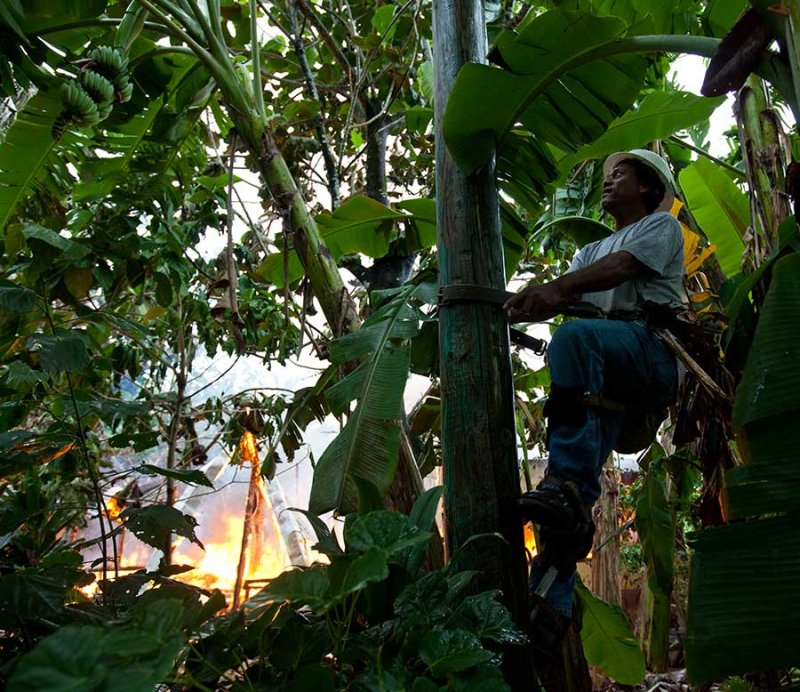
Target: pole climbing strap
{"x": 471, "y": 293}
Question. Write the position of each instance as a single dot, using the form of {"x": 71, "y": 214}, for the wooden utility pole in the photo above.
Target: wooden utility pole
{"x": 478, "y": 435}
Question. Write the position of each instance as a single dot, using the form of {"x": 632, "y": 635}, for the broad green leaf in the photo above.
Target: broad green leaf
{"x": 720, "y": 208}
{"x": 71, "y": 250}
{"x": 424, "y": 601}
{"x": 22, "y": 377}
{"x": 367, "y": 568}
{"x": 655, "y": 524}
{"x": 38, "y": 592}
{"x": 418, "y": 118}
{"x": 360, "y": 225}
{"x": 382, "y": 680}
{"x": 153, "y": 524}
{"x": 370, "y": 498}
{"x": 423, "y": 516}
{"x": 389, "y": 532}
{"x": 482, "y": 678}
{"x": 26, "y": 152}
{"x": 33, "y": 16}
{"x": 17, "y": 299}
{"x": 422, "y": 231}
{"x": 133, "y": 657}
{"x": 71, "y": 659}
{"x": 78, "y": 281}
{"x": 485, "y": 616}
{"x": 382, "y": 20}
{"x": 193, "y": 476}
{"x": 62, "y": 353}
{"x": 11, "y": 438}
{"x": 787, "y": 233}
{"x": 423, "y": 512}
{"x": 767, "y": 405}
{"x": 579, "y": 229}
{"x": 7, "y": 15}
{"x": 425, "y": 80}
{"x": 139, "y": 441}
{"x": 452, "y": 651}
{"x": 744, "y": 587}
{"x": 608, "y": 641}
{"x": 771, "y": 382}
{"x": 394, "y": 360}
{"x": 659, "y": 115}
{"x": 721, "y": 15}
{"x": 360, "y": 217}
{"x": 367, "y": 447}
{"x": 307, "y": 586}
{"x": 555, "y": 85}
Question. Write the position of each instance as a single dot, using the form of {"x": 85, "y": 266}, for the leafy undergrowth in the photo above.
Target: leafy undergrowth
{"x": 370, "y": 619}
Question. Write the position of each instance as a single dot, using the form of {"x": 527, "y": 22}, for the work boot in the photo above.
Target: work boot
{"x": 555, "y": 504}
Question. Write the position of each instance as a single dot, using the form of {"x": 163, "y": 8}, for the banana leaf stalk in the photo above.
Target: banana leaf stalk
{"x": 761, "y": 140}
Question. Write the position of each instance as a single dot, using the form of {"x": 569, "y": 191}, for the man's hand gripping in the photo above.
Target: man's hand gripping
{"x": 536, "y": 303}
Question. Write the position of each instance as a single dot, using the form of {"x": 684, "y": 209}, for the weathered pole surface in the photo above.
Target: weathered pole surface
{"x": 478, "y": 434}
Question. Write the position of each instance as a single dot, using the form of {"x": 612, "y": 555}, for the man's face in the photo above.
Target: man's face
{"x": 621, "y": 188}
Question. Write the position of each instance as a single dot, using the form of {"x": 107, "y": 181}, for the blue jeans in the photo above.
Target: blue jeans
{"x": 599, "y": 356}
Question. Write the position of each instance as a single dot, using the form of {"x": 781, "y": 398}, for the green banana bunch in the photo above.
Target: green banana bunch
{"x": 103, "y": 81}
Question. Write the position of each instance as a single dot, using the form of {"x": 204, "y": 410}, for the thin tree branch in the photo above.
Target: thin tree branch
{"x": 319, "y": 124}
{"x": 329, "y": 41}
{"x": 102, "y": 509}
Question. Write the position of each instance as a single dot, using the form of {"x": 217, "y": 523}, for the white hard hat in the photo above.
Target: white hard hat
{"x": 652, "y": 161}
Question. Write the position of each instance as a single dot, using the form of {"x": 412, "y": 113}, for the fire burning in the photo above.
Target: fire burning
{"x": 216, "y": 567}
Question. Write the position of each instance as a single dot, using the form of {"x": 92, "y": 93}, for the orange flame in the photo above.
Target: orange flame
{"x": 530, "y": 540}
{"x": 248, "y": 450}
{"x": 113, "y": 508}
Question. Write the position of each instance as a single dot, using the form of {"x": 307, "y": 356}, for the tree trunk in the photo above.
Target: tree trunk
{"x": 570, "y": 671}
{"x": 478, "y": 432}
{"x": 605, "y": 551}
{"x": 321, "y": 270}
{"x": 320, "y": 267}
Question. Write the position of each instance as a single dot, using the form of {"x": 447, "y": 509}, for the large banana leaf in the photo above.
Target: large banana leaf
{"x": 720, "y": 208}
{"x": 27, "y": 151}
{"x": 743, "y": 594}
{"x": 659, "y": 115}
{"x": 366, "y": 449}
{"x": 30, "y": 158}
{"x": 745, "y": 578}
{"x": 768, "y": 403}
{"x": 553, "y": 85}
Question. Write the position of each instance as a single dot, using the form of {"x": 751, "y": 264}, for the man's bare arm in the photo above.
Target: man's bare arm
{"x": 540, "y": 302}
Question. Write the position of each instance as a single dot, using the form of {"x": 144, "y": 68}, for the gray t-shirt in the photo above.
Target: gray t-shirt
{"x": 657, "y": 242}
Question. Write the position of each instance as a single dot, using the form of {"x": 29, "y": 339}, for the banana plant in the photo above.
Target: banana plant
{"x": 362, "y": 459}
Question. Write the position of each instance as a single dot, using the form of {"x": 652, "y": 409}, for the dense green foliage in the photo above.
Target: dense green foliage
{"x": 107, "y": 301}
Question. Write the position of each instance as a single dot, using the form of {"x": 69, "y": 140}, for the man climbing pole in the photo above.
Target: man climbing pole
{"x": 602, "y": 371}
